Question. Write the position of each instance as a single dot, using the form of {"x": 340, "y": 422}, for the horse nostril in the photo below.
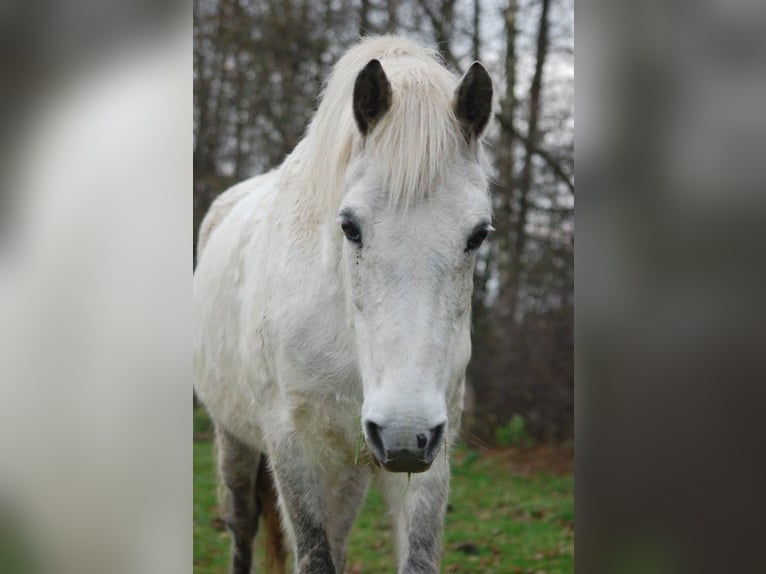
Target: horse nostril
{"x": 375, "y": 439}
{"x": 422, "y": 440}
{"x": 436, "y": 438}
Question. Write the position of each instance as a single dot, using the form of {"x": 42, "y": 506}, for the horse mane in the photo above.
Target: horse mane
{"x": 411, "y": 143}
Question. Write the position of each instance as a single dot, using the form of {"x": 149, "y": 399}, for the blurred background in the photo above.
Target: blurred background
{"x": 258, "y": 72}
{"x": 95, "y": 172}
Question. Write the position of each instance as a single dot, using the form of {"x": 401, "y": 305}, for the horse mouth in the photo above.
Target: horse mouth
{"x": 404, "y": 462}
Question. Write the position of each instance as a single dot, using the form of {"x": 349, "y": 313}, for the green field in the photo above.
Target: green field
{"x": 510, "y": 512}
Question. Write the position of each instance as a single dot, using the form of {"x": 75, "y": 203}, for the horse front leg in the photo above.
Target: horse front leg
{"x": 238, "y": 465}
{"x": 345, "y": 495}
{"x": 418, "y": 505}
{"x": 300, "y": 489}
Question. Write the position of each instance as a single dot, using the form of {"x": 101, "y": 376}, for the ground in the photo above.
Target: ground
{"x": 511, "y": 512}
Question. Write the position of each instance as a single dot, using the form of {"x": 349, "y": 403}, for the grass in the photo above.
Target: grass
{"x": 512, "y": 512}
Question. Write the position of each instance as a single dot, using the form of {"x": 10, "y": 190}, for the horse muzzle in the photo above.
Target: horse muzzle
{"x": 404, "y": 449}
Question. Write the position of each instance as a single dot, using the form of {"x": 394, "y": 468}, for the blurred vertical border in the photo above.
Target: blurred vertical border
{"x": 669, "y": 318}
{"x": 95, "y": 169}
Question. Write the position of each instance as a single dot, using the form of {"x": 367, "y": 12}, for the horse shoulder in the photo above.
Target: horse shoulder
{"x": 223, "y": 205}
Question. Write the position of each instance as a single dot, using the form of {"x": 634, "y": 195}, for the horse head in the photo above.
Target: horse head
{"x": 414, "y": 212}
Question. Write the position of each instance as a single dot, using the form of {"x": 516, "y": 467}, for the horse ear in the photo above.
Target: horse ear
{"x": 473, "y": 101}
{"x": 372, "y": 96}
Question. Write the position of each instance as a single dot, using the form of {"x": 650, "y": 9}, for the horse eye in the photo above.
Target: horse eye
{"x": 476, "y": 239}
{"x": 351, "y": 231}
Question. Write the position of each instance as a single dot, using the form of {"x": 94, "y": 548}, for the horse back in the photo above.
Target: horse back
{"x": 227, "y": 351}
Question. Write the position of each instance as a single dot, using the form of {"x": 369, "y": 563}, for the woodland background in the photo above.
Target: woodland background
{"x": 258, "y": 70}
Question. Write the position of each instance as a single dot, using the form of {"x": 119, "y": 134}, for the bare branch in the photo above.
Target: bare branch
{"x": 547, "y": 157}
{"x": 442, "y": 34}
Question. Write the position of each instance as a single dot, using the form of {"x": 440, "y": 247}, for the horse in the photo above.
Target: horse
{"x": 332, "y": 302}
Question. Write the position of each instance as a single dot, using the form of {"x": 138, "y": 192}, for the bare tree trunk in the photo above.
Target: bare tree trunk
{"x": 393, "y": 20}
{"x": 208, "y": 103}
{"x": 241, "y": 97}
{"x": 476, "y": 40}
{"x": 479, "y": 277}
{"x": 444, "y": 33}
{"x": 442, "y": 20}
{"x": 533, "y": 137}
{"x": 494, "y": 327}
{"x": 242, "y": 112}
{"x": 364, "y": 20}
{"x": 505, "y": 165}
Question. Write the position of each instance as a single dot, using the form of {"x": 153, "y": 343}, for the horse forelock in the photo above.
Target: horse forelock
{"x": 413, "y": 142}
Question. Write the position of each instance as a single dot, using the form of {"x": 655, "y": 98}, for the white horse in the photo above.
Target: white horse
{"x": 332, "y": 309}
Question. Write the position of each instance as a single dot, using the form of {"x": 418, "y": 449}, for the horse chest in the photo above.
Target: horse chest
{"x": 328, "y": 423}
